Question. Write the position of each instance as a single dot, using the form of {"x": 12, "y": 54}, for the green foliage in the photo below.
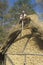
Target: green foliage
{"x": 19, "y": 6}
{"x": 3, "y": 7}
{"x": 2, "y": 34}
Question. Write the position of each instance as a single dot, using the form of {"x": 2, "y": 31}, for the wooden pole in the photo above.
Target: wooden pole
{"x": 22, "y": 27}
{"x": 25, "y": 60}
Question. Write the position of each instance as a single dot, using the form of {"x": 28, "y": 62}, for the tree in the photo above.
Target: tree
{"x": 2, "y": 34}
{"x": 19, "y": 6}
{"x": 3, "y": 9}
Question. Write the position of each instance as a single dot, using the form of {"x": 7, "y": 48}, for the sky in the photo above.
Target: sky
{"x": 11, "y": 2}
{"x": 37, "y": 8}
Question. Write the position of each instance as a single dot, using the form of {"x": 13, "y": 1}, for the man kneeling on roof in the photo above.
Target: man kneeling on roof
{"x": 22, "y": 16}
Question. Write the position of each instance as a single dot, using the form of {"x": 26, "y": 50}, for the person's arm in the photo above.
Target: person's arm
{"x": 25, "y": 15}
{"x": 21, "y": 17}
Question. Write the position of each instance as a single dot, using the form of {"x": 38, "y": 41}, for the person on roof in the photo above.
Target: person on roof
{"x": 22, "y": 16}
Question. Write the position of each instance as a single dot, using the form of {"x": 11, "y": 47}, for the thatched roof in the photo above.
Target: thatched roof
{"x": 26, "y": 44}
{"x": 14, "y": 41}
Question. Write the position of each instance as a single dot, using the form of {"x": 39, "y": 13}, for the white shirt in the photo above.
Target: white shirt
{"x": 25, "y": 15}
{"x": 22, "y": 16}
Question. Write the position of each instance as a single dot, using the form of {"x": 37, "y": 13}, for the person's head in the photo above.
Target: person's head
{"x": 23, "y": 11}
